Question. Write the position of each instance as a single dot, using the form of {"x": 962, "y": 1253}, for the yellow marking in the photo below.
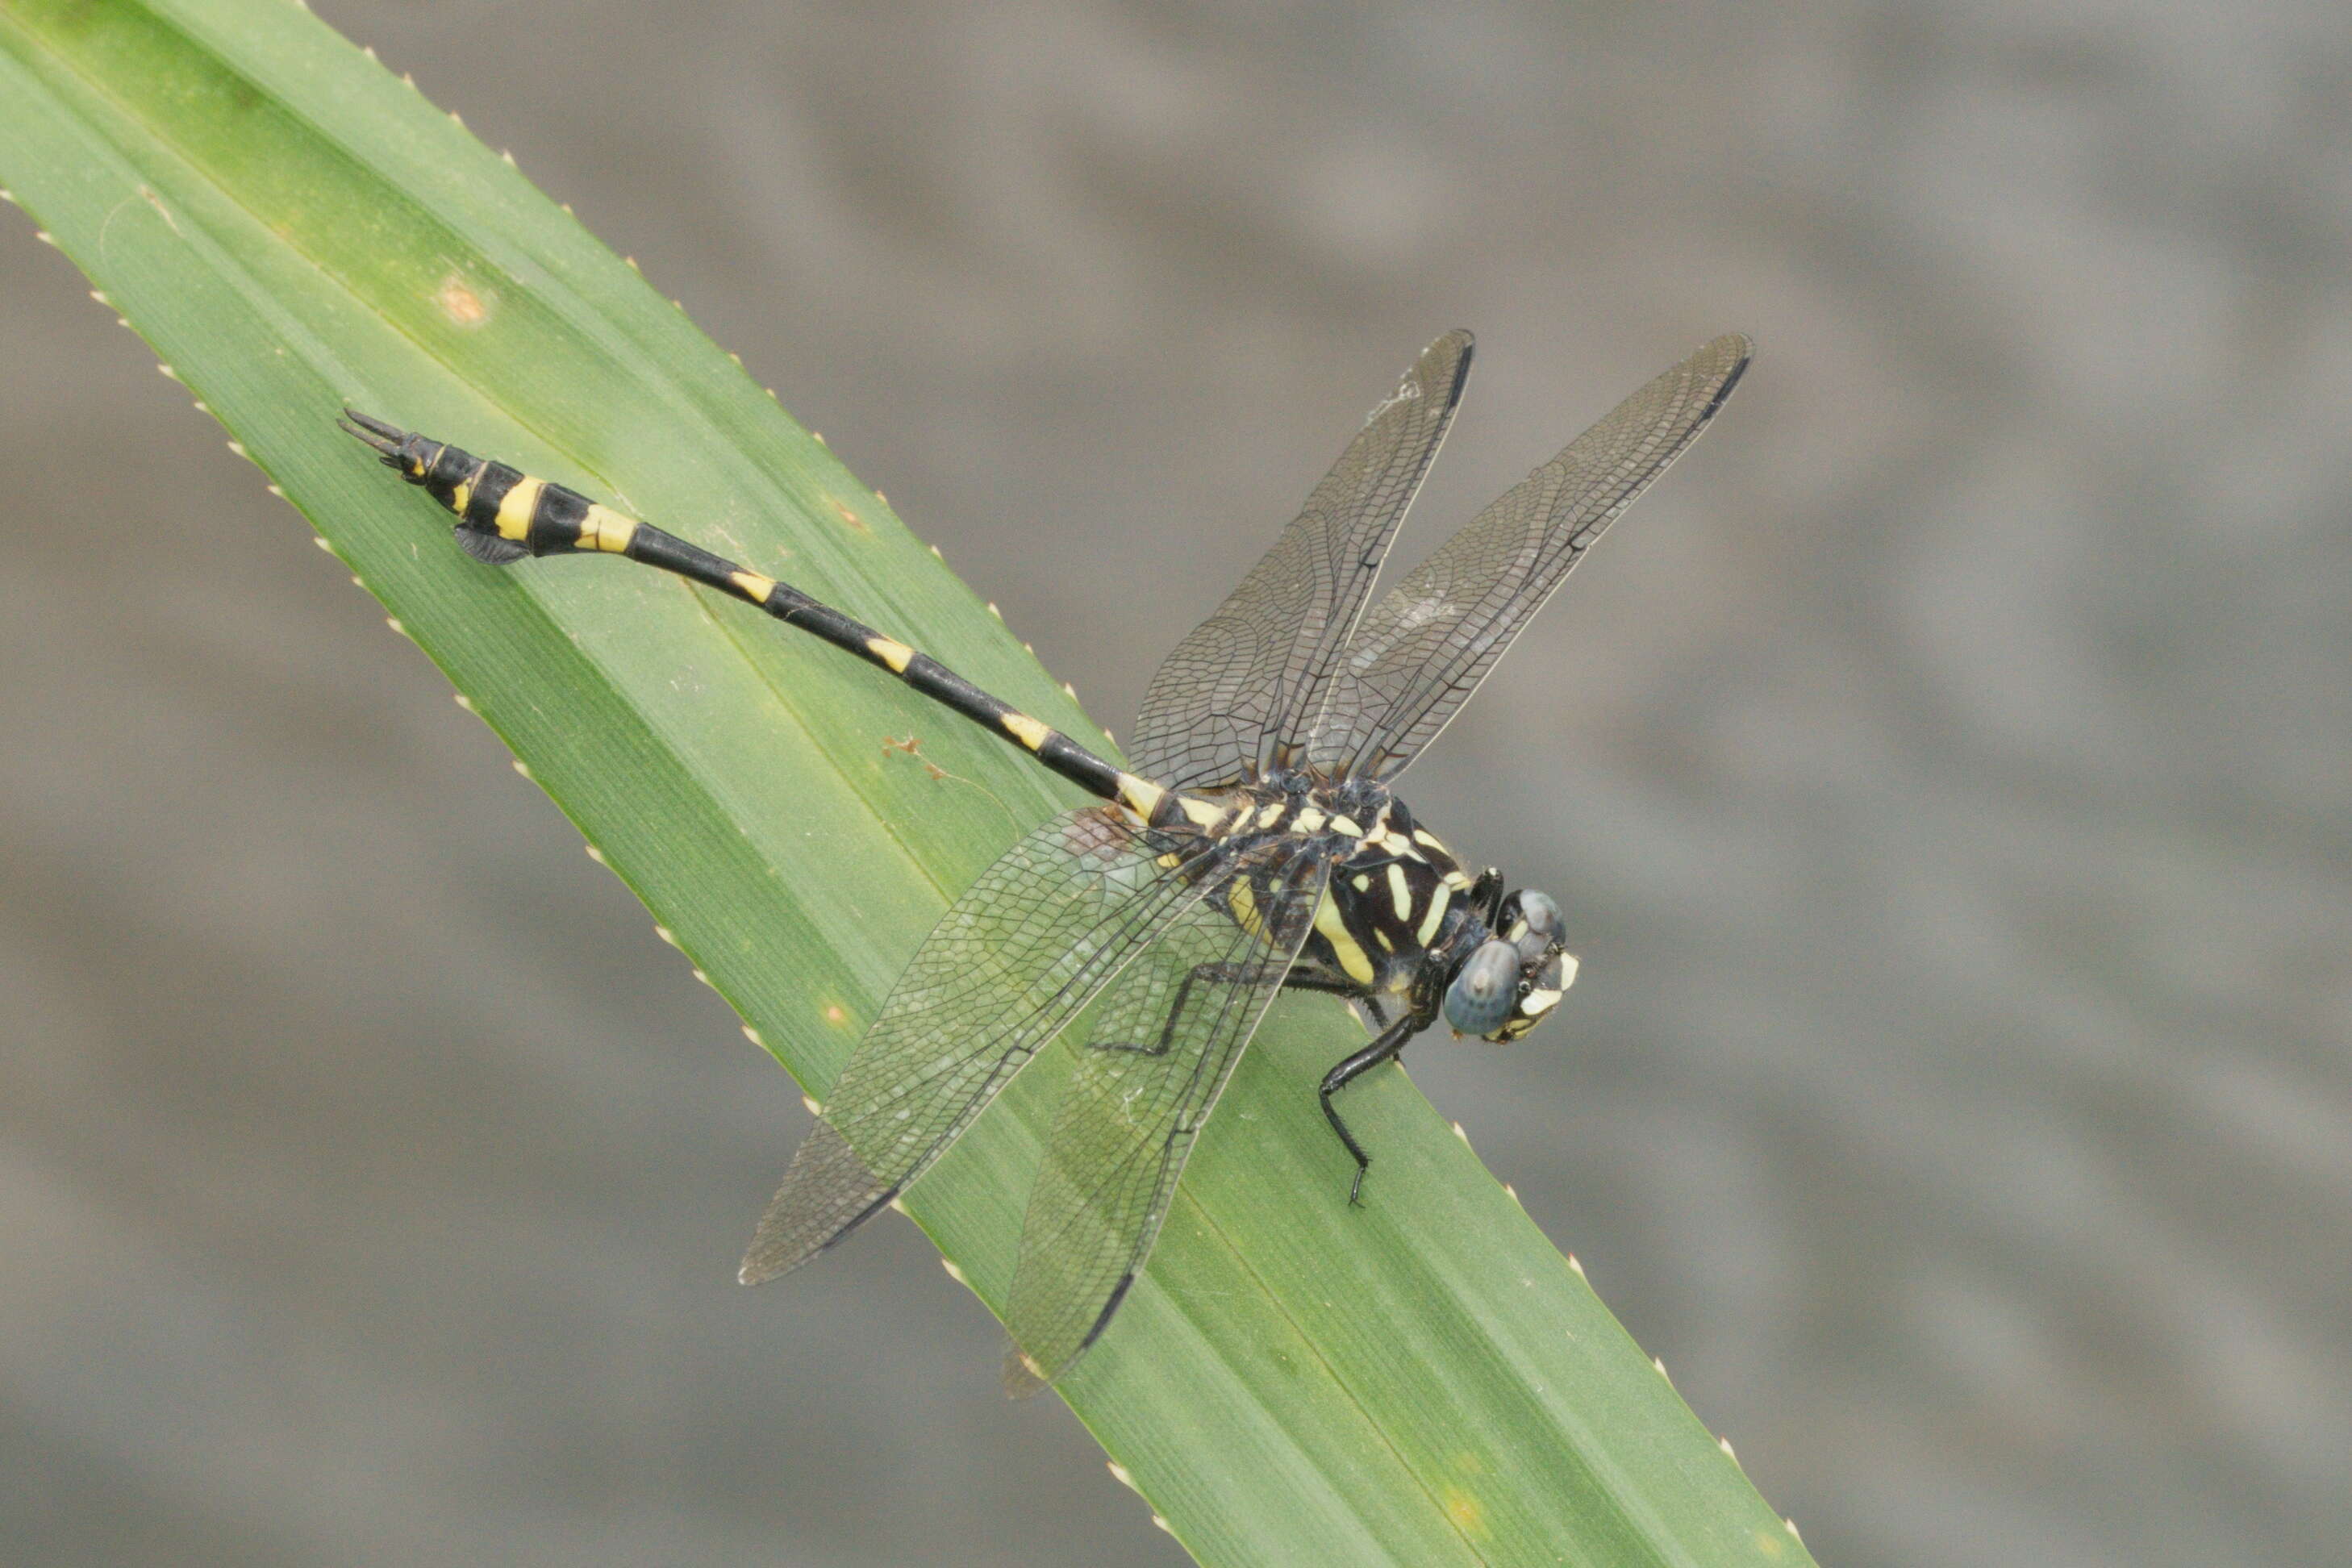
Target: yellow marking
{"x": 1351, "y": 956}
{"x": 1310, "y": 821}
{"x": 1439, "y": 897}
{"x": 1536, "y": 1004}
{"x": 1404, "y": 849}
{"x": 1026, "y": 730}
{"x": 1423, "y": 836}
{"x": 1567, "y": 968}
{"x": 1364, "y": 882}
{"x": 1244, "y": 900}
{"x": 1139, "y": 792}
{"x": 1458, "y": 879}
{"x": 1381, "y": 935}
{"x": 606, "y": 529}
{"x": 1204, "y": 813}
{"x": 1271, "y": 815}
{"x": 461, "y": 498}
{"x": 1399, "y": 894}
{"x": 1169, "y": 861}
{"x": 516, "y": 507}
{"x": 897, "y": 655}
{"x": 1346, "y": 824}
{"x": 753, "y": 587}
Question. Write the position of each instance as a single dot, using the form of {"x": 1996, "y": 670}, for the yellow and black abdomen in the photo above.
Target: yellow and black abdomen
{"x": 504, "y": 515}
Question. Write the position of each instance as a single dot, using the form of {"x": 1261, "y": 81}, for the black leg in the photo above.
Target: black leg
{"x": 1215, "y": 973}
{"x": 1486, "y": 895}
{"x": 1383, "y": 1049}
{"x": 1294, "y": 981}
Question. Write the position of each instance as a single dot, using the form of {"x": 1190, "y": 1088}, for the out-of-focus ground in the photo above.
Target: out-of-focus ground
{"x": 1947, "y": 773}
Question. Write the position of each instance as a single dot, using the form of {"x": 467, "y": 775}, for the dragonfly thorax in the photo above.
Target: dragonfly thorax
{"x": 1401, "y": 925}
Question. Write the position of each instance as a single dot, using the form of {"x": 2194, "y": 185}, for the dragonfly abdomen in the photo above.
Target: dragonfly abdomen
{"x": 504, "y": 515}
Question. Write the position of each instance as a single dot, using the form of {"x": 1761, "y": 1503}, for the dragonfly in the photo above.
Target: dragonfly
{"x": 1254, "y": 843}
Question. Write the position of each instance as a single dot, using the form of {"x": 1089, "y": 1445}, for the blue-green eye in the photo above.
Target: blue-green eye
{"x": 1532, "y": 919}
{"x": 1483, "y": 995}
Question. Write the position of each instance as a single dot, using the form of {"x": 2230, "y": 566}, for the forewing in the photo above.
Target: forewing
{"x": 1426, "y": 646}
{"x": 1169, "y": 1035}
{"x": 1244, "y": 684}
{"x": 1014, "y": 959}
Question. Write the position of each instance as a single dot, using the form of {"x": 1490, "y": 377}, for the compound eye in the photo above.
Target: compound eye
{"x": 1532, "y": 919}
{"x": 1483, "y": 993}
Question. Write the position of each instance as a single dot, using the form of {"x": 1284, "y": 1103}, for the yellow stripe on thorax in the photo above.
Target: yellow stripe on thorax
{"x": 1344, "y": 947}
{"x": 1439, "y": 897}
{"x": 1202, "y": 813}
{"x": 1400, "y": 892}
{"x": 1244, "y": 900}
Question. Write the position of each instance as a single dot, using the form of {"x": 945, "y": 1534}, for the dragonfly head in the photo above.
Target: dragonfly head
{"x": 1512, "y": 980}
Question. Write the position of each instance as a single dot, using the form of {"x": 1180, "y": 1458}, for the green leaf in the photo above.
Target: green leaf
{"x": 1423, "y": 1381}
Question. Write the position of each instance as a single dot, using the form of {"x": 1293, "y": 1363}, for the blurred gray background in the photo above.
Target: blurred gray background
{"x": 1946, "y": 772}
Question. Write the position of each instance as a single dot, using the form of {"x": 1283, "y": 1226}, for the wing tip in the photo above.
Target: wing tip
{"x": 784, "y": 1239}
{"x": 1466, "y": 349}
{"x": 1025, "y": 1375}
{"x": 1733, "y": 352}
{"x": 1024, "y": 1378}
{"x": 766, "y": 1259}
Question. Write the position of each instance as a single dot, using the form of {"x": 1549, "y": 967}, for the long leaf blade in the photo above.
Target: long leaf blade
{"x": 1425, "y": 1381}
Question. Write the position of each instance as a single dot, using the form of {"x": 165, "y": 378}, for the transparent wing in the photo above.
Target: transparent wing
{"x": 1426, "y": 646}
{"x": 1243, "y": 685}
{"x": 1014, "y": 959}
{"x": 1171, "y": 1031}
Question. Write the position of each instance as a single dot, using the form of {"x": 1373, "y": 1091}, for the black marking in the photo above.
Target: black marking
{"x": 485, "y": 486}
{"x": 556, "y": 520}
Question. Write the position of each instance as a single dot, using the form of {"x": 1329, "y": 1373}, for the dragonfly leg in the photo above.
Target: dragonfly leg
{"x": 1212, "y": 974}
{"x": 1297, "y": 980}
{"x": 1392, "y": 1040}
